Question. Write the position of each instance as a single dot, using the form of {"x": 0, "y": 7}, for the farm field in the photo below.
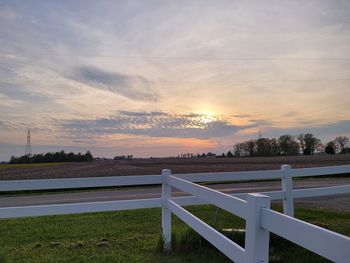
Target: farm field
{"x": 154, "y": 166}
{"x": 134, "y": 236}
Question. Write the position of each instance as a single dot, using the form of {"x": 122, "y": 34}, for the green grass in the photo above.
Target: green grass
{"x": 24, "y": 165}
{"x": 134, "y": 236}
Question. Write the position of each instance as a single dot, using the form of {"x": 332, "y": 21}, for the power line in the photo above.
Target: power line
{"x": 132, "y": 57}
{"x": 192, "y": 82}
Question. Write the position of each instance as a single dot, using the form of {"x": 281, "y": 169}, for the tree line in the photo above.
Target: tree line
{"x": 288, "y": 145}
{"x": 197, "y": 155}
{"x": 285, "y": 145}
{"x": 51, "y": 157}
{"x": 123, "y": 157}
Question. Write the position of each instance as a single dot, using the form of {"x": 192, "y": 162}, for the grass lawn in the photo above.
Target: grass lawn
{"x": 134, "y": 236}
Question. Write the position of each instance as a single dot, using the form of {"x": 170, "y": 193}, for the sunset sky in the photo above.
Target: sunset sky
{"x": 160, "y": 78}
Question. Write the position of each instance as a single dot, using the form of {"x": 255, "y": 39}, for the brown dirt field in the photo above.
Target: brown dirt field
{"x": 154, "y": 166}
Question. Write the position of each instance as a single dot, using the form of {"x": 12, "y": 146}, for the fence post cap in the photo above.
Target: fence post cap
{"x": 286, "y": 167}
{"x": 166, "y": 171}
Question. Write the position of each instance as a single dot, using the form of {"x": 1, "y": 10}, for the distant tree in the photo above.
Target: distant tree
{"x": 330, "y": 148}
{"x": 53, "y": 157}
{"x": 341, "y": 143}
{"x": 250, "y": 147}
{"x": 210, "y": 154}
{"x": 119, "y": 157}
{"x": 274, "y": 147}
{"x": 229, "y": 154}
{"x": 238, "y": 149}
{"x": 288, "y": 145}
{"x": 309, "y": 143}
{"x": 263, "y": 147}
{"x": 88, "y": 156}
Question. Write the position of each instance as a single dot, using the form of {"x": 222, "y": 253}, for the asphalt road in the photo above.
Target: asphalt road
{"x": 155, "y": 191}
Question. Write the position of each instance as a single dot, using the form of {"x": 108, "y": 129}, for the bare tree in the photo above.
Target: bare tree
{"x": 250, "y": 147}
{"x": 238, "y": 149}
{"x": 341, "y": 143}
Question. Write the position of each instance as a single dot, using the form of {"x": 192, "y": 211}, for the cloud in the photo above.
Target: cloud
{"x": 257, "y": 123}
{"x": 153, "y": 124}
{"x": 241, "y": 115}
{"x": 6, "y": 101}
{"x": 325, "y": 131}
{"x": 8, "y": 13}
{"x": 133, "y": 87}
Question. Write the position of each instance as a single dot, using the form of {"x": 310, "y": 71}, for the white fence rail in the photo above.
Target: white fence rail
{"x": 77, "y": 208}
{"x": 69, "y": 183}
{"x": 254, "y": 208}
{"x": 321, "y": 241}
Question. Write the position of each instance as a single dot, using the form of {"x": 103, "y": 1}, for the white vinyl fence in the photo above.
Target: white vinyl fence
{"x": 253, "y": 207}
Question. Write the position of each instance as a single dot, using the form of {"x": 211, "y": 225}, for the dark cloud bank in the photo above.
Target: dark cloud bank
{"x": 154, "y": 124}
{"x": 161, "y": 124}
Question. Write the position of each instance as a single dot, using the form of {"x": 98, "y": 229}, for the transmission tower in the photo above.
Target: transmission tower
{"x": 28, "y": 147}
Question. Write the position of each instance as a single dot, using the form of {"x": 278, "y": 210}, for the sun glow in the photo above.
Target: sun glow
{"x": 207, "y": 119}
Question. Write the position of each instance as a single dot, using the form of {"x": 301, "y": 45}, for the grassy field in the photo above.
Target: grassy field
{"x": 28, "y": 165}
{"x": 155, "y": 166}
{"x": 134, "y": 236}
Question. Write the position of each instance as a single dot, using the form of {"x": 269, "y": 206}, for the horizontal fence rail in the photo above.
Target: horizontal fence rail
{"x": 231, "y": 176}
{"x": 262, "y": 175}
{"x": 321, "y": 191}
{"x": 77, "y": 208}
{"x": 319, "y": 171}
{"x": 59, "y": 209}
{"x": 69, "y": 183}
{"x": 328, "y": 244}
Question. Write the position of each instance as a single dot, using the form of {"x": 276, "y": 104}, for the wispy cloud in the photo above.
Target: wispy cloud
{"x": 133, "y": 87}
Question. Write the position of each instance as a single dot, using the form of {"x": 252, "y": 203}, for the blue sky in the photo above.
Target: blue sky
{"x": 165, "y": 77}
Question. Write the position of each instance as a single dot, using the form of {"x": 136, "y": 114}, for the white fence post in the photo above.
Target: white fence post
{"x": 287, "y": 188}
{"x": 256, "y": 238}
{"x": 166, "y": 213}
